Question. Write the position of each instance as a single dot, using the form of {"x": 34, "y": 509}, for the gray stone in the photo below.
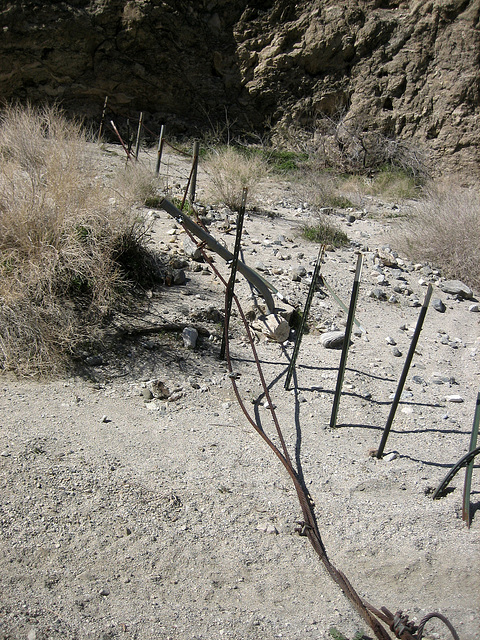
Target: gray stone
{"x": 332, "y": 339}
{"x": 298, "y": 273}
{"x": 475, "y": 308}
{"x": 456, "y": 288}
{"x": 179, "y": 277}
{"x": 147, "y": 394}
{"x": 190, "y": 337}
{"x": 191, "y": 250}
{"x": 377, "y": 294}
{"x": 438, "y": 305}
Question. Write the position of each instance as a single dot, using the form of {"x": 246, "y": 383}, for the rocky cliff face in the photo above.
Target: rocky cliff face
{"x": 408, "y": 69}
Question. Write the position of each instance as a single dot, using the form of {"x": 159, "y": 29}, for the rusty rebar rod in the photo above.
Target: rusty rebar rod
{"x": 263, "y": 286}
{"x": 139, "y": 132}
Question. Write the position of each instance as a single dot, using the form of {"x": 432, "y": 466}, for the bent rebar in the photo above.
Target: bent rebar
{"x": 263, "y": 287}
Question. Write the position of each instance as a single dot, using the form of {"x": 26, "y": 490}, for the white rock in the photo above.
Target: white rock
{"x": 454, "y": 398}
{"x": 390, "y": 456}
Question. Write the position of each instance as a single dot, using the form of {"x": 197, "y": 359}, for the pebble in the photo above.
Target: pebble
{"x": 377, "y": 294}
{"x": 104, "y": 592}
{"x": 390, "y": 456}
{"x": 454, "y": 398}
{"x": 298, "y": 273}
{"x": 397, "y": 353}
{"x": 390, "y": 340}
{"x": 438, "y": 305}
{"x": 475, "y": 308}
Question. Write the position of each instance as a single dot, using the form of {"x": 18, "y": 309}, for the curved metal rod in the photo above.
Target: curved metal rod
{"x": 262, "y": 286}
{"x": 454, "y": 470}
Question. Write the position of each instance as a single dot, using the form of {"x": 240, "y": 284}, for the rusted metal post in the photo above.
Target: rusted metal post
{"x": 139, "y": 131}
{"x": 303, "y": 323}
{"x": 120, "y": 138}
{"x": 231, "y": 282}
{"x": 102, "y": 120}
{"x": 264, "y": 287}
{"x": 193, "y": 182}
{"x": 346, "y": 342}
{"x": 406, "y": 367}
{"x": 159, "y": 151}
{"x": 469, "y": 469}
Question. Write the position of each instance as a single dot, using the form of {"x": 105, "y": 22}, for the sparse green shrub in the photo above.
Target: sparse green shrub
{"x": 70, "y": 245}
{"x": 230, "y": 171}
{"x": 280, "y": 161}
{"x": 443, "y": 229}
{"x": 324, "y": 231}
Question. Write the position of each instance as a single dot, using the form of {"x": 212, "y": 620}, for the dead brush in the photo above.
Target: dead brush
{"x": 443, "y": 229}
{"x": 64, "y": 236}
{"x": 230, "y": 171}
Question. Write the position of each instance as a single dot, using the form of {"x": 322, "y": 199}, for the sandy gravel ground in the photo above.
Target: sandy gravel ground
{"x": 129, "y": 516}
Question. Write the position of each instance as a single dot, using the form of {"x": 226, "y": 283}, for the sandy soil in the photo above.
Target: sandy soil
{"x": 129, "y": 516}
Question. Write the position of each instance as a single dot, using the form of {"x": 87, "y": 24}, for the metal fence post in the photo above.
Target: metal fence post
{"x": 406, "y": 368}
{"x": 346, "y": 341}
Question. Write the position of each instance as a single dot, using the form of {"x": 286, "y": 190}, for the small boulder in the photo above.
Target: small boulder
{"x": 190, "y": 337}
{"x": 456, "y": 288}
{"x": 332, "y": 339}
{"x": 273, "y": 326}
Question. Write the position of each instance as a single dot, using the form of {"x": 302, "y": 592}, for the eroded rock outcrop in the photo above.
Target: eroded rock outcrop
{"x": 408, "y": 69}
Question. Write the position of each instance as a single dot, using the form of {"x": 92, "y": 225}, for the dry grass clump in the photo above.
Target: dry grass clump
{"x": 444, "y": 230}
{"x": 230, "y": 171}
{"x": 69, "y": 246}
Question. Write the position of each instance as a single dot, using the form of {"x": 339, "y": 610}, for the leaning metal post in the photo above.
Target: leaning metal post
{"x": 263, "y": 286}
{"x": 406, "y": 368}
{"x": 306, "y": 310}
{"x": 346, "y": 341}
{"x": 469, "y": 469}
{"x": 231, "y": 283}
